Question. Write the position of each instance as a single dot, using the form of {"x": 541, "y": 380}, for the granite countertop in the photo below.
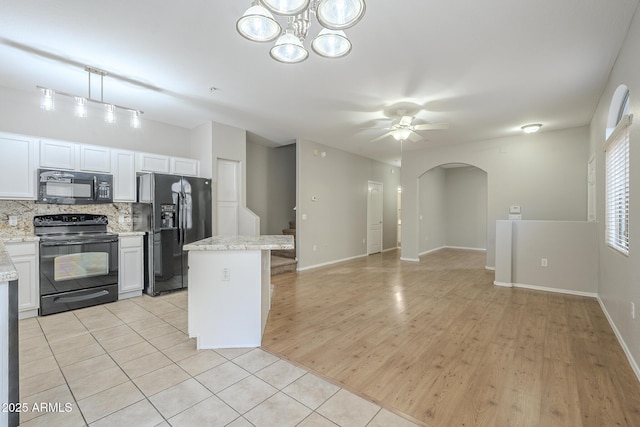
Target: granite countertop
{"x": 241, "y": 243}
{"x": 131, "y": 233}
{"x": 19, "y": 239}
{"x": 7, "y": 270}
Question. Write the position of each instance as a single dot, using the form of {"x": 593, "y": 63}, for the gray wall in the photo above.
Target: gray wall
{"x": 619, "y": 283}
{"x": 336, "y": 221}
{"x": 431, "y": 210}
{"x": 544, "y": 173}
{"x": 466, "y": 207}
{"x": 271, "y": 185}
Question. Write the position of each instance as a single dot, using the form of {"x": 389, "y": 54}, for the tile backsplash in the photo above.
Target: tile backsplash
{"x": 25, "y": 210}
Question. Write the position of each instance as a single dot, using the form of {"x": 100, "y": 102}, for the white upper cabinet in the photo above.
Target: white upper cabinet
{"x": 123, "y": 166}
{"x": 94, "y": 158}
{"x": 180, "y": 166}
{"x": 57, "y": 154}
{"x": 18, "y": 164}
{"x": 147, "y": 162}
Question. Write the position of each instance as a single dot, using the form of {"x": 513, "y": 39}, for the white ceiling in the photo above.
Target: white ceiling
{"x": 486, "y": 67}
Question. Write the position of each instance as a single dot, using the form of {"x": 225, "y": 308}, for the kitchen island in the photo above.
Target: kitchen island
{"x": 230, "y": 289}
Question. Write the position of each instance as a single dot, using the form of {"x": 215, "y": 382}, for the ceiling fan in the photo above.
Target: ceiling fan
{"x": 402, "y": 129}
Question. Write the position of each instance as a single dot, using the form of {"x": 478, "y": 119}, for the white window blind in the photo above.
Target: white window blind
{"x": 617, "y": 186}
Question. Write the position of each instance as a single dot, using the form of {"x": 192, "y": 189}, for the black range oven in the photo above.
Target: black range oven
{"x": 78, "y": 261}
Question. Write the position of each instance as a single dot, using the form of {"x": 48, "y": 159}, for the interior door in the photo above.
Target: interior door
{"x": 374, "y": 218}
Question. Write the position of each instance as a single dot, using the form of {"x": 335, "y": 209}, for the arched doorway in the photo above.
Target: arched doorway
{"x": 452, "y": 208}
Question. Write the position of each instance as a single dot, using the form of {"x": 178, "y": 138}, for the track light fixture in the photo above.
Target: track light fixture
{"x": 47, "y": 101}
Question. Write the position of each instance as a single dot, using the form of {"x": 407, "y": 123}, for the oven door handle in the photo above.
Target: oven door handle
{"x": 76, "y": 242}
{"x": 66, "y": 300}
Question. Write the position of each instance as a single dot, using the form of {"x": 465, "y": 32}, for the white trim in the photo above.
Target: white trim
{"x": 410, "y": 259}
{"x": 488, "y": 267}
{"x": 556, "y": 290}
{"x": 390, "y": 249}
{"x": 627, "y": 352}
{"x": 465, "y": 248}
{"x": 332, "y": 262}
{"x": 503, "y": 284}
{"x": 431, "y": 250}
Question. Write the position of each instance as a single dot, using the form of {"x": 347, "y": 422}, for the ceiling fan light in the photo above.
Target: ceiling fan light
{"x": 532, "y": 128}
{"x": 331, "y": 44}
{"x": 340, "y": 14}
{"x": 401, "y": 134}
{"x": 289, "y": 49}
{"x": 286, "y": 7}
{"x": 258, "y": 25}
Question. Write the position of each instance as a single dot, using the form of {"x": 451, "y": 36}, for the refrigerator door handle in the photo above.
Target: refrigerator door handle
{"x": 183, "y": 226}
{"x": 179, "y": 219}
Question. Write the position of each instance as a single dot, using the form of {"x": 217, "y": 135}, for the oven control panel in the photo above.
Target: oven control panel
{"x": 69, "y": 219}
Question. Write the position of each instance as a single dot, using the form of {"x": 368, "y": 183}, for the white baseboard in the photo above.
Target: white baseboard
{"x": 431, "y": 250}
{"x": 331, "y": 262}
{"x": 466, "y": 248}
{"x": 556, "y": 290}
{"x": 623, "y": 344}
{"x": 410, "y": 259}
{"x": 390, "y": 249}
{"x": 503, "y": 284}
{"x": 487, "y": 267}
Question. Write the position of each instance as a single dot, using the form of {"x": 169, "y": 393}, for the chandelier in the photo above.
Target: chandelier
{"x": 47, "y": 101}
{"x": 258, "y": 25}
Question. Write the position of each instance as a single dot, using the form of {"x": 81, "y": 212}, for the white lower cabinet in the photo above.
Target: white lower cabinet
{"x": 130, "y": 267}
{"x": 24, "y": 256}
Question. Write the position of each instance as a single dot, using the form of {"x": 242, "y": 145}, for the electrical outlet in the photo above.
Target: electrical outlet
{"x": 544, "y": 262}
{"x": 226, "y": 274}
{"x": 13, "y": 220}
{"x": 315, "y": 247}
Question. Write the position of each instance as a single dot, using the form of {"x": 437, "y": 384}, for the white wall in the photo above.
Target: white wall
{"x": 20, "y": 113}
{"x": 466, "y": 207}
{"x": 336, "y": 222}
{"x": 544, "y": 173}
{"x": 431, "y": 210}
{"x": 619, "y": 283}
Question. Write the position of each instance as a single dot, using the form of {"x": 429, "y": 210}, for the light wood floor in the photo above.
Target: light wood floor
{"x": 435, "y": 340}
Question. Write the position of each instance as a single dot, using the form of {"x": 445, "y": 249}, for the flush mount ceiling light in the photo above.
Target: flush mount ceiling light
{"x": 258, "y": 24}
{"x": 532, "y": 128}
{"x": 47, "y": 101}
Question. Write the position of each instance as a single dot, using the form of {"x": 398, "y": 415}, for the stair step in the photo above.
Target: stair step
{"x": 289, "y": 231}
{"x": 280, "y": 265}
{"x": 285, "y": 253}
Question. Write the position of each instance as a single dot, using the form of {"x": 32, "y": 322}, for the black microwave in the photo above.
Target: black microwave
{"x": 74, "y": 188}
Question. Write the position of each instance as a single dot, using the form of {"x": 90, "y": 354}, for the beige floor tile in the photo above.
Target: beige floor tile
{"x": 58, "y": 395}
{"x": 347, "y": 409}
{"x": 255, "y": 360}
{"x": 109, "y": 401}
{"x": 170, "y": 340}
{"x": 125, "y": 340}
{"x": 317, "y": 420}
{"x": 278, "y": 411}
{"x": 96, "y": 382}
{"x": 161, "y": 379}
{"x": 85, "y": 353}
{"x": 132, "y": 352}
{"x": 88, "y": 367}
{"x": 140, "y": 414}
{"x": 247, "y": 393}
{"x": 145, "y": 364}
{"x": 386, "y": 418}
{"x": 73, "y": 418}
{"x": 33, "y": 343}
{"x": 311, "y": 390}
{"x": 155, "y": 306}
{"x": 181, "y": 396}
{"x": 177, "y": 315}
{"x": 182, "y": 351}
{"x": 134, "y": 314}
{"x": 37, "y": 367}
{"x": 27, "y": 355}
{"x": 200, "y": 362}
{"x": 158, "y": 330}
{"x": 232, "y": 353}
{"x": 211, "y": 412}
{"x": 240, "y": 422}
{"x": 41, "y": 382}
{"x": 112, "y": 332}
{"x": 72, "y": 343}
{"x": 280, "y": 374}
{"x": 222, "y": 376}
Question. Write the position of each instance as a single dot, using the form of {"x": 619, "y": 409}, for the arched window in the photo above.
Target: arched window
{"x": 617, "y": 172}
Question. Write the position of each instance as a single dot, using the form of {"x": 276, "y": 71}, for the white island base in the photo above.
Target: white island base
{"x": 230, "y": 290}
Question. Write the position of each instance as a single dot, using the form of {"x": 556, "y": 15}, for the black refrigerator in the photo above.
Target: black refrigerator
{"x": 173, "y": 210}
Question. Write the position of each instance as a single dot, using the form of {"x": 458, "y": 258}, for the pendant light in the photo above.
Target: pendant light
{"x": 331, "y": 44}
{"x": 340, "y": 14}
{"x": 289, "y": 49}
{"x": 257, "y": 24}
